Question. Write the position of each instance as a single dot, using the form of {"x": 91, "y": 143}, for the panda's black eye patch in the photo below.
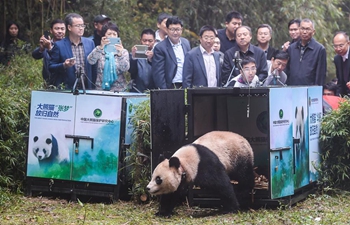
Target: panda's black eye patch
{"x": 44, "y": 150}
{"x": 36, "y": 150}
{"x": 158, "y": 180}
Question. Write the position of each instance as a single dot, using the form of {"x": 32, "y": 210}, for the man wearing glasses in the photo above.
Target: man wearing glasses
{"x": 308, "y": 61}
{"x": 342, "y": 62}
{"x": 169, "y": 56}
{"x": 247, "y": 77}
{"x": 202, "y": 63}
{"x": 69, "y": 56}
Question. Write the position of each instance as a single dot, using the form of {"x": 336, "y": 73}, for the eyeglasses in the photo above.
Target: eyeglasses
{"x": 247, "y": 70}
{"x": 207, "y": 38}
{"x": 339, "y": 46}
{"x": 79, "y": 25}
{"x": 175, "y": 29}
{"x": 307, "y": 29}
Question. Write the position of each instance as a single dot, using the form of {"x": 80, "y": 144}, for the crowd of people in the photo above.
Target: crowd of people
{"x": 225, "y": 57}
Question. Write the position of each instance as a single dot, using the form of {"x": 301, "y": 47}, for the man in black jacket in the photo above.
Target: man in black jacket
{"x": 230, "y": 69}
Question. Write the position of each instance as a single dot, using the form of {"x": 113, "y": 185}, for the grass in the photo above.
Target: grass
{"x": 317, "y": 209}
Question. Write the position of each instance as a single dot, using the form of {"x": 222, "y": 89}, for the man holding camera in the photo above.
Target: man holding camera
{"x": 58, "y": 31}
{"x": 69, "y": 56}
{"x": 141, "y": 68}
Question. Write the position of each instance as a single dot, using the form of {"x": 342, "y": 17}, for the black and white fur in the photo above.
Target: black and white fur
{"x": 210, "y": 162}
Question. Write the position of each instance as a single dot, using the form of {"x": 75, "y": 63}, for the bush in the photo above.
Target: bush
{"x": 138, "y": 159}
{"x": 335, "y": 142}
{"x": 16, "y": 82}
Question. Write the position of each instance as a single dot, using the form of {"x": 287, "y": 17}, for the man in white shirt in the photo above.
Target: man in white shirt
{"x": 169, "y": 56}
{"x": 202, "y": 63}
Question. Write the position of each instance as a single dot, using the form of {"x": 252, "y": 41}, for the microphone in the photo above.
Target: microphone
{"x": 237, "y": 58}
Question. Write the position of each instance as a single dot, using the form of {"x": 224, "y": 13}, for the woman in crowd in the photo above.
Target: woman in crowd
{"x": 13, "y": 44}
{"x": 111, "y": 65}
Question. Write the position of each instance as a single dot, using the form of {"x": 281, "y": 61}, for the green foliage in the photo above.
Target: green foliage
{"x": 16, "y": 82}
{"x": 138, "y": 159}
{"x": 335, "y": 142}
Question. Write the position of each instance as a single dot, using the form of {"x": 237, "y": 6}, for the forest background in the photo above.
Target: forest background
{"x": 132, "y": 16}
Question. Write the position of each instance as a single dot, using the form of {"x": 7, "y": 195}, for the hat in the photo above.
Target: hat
{"x": 101, "y": 18}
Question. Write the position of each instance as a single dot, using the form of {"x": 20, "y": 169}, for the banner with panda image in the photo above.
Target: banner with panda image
{"x": 52, "y": 116}
{"x": 300, "y": 136}
{"x": 74, "y": 137}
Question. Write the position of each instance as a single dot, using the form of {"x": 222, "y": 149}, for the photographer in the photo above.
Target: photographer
{"x": 58, "y": 31}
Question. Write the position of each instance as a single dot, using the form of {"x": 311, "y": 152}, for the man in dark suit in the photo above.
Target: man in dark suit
{"x": 58, "y": 31}
{"x": 169, "y": 56}
{"x": 243, "y": 36}
{"x": 69, "y": 56}
{"x": 202, "y": 63}
{"x": 342, "y": 62}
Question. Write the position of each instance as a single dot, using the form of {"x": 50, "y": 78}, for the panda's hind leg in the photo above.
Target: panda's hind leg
{"x": 219, "y": 183}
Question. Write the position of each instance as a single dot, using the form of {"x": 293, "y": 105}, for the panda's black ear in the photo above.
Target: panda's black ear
{"x": 48, "y": 141}
{"x": 35, "y": 138}
{"x": 174, "y": 162}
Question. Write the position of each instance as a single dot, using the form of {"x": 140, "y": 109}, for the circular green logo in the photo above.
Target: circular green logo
{"x": 280, "y": 113}
{"x": 97, "y": 113}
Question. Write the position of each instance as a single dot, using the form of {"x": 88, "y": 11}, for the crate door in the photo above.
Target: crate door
{"x": 167, "y": 122}
{"x": 281, "y": 143}
{"x": 314, "y": 117}
{"x": 96, "y": 139}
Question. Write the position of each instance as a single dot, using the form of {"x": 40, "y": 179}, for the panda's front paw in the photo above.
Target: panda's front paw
{"x": 163, "y": 214}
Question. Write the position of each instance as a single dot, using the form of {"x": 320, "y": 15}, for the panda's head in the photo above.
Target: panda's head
{"x": 166, "y": 177}
{"x": 42, "y": 146}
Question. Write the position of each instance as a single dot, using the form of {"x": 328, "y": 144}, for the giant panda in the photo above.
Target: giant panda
{"x": 48, "y": 150}
{"x": 210, "y": 162}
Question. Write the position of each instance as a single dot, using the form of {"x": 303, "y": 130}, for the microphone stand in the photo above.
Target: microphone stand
{"x": 246, "y": 80}
{"x": 79, "y": 78}
{"x": 229, "y": 77}
{"x": 277, "y": 77}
